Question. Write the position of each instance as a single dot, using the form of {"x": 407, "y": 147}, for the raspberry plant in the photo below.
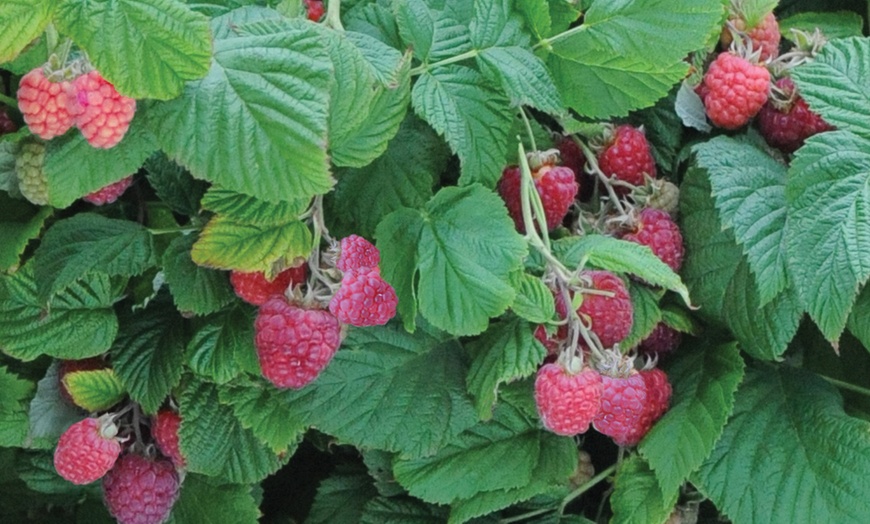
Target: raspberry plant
{"x": 239, "y": 238}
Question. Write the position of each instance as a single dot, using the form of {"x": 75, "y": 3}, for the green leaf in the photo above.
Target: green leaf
{"x": 266, "y": 412}
{"x": 223, "y": 347}
{"x": 227, "y": 244}
{"x": 857, "y": 322}
{"x": 637, "y": 495}
{"x": 473, "y": 118}
{"x": 14, "y": 400}
{"x": 257, "y": 122}
{"x": 632, "y": 51}
{"x": 202, "y": 502}
{"x": 467, "y": 249}
{"x": 536, "y": 14}
{"x": 86, "y": 243}
{"x": 20, "y": 222}
{"x": 754, "y": 11}
{"x": 749, "y": 189}
{"x": 838, "y": 24}
{"x": 534, "y": 300}
{"x": 375, "y": 20}
{"x": 501, "y": 454}
{"x": 174, "y": 185}
{"x": 704, "y": 379}
{"x": 832, "y": 84}
{"x": 21, "y": 22}
{"x": 404, "y": 510}
{"x": 341, "y": 498}
{"x": 523, "y": 76}
{"x": 647, "y": 314}
{"x": 494, "y": 24}
{"x": 194, "y": 288}
{"x": 506, "y": 352}
{"x": 148, "y": 354}
{"x": 721, "y": 283}
{"x": 399, "y": 235}
{"x": 49, "y": 414}
{"x": 433, "y": 35}
{"x": 246, "y": 209}
{"x": 789, "y": 428}
{"x": 214, "y": 442}
{"x": 77, "y": 323}
{"x": 94, "y": 390}
{"x": 147, "y": 49}
{"x": 829, "y": 226}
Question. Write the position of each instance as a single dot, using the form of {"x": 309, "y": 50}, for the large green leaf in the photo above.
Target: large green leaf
{"x": 14, "y": 400}
{"x": 147, "y": 48}
{"x": 21, "y": 22}
{"x": 341, "y": 498}
{"x": 266, "y": 413}
{"x": 257, "y": 123}
{"x": 400, "y": 510}
{"x": 637, "y": 495}
{"x": 223, "y": 346}
{"x": 94, "y": 390}
{"x": 857, "y": 322}
{"x": 466, "y": 250}
{"x": 789, "y": 429}
{"x": 203, "y": 502}
{"x": 839, "y": 24}
{"x": 20, "y": 222}
{"x": 194, "y": 288}
{"x": 246, "y": 209}
{"x": 432, "y": 33}
{"x": 225, "y": 243}
{"x": 829, "y": 225}
{"x": 646, "y": 314}
{"x": 49, "y": 414}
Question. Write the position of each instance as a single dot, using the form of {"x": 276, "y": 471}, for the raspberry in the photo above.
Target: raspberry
{"x": 294, "y": 344}
{"x": 584, "y": 471}
{"x": 664, "y": 195}
{"x": 44, "y": 104}
{"x": 786, "y": 126}
{"x": 654, "y": 228}
{"x": 6, "y": 124}
{"x": 71, "y": 366}
{"x": 110, "y": 193}
{"x": 736, "y": 90}
{"x": 572, "y": 157}
{"x": 627, "y": 156}
{"x": 164, "y": 429}
{"x": 658, "y": 396}
{"x": 364, "y": 299}
{"x": 87, "y": 450}
{"x": 765, "y": 36}
{"x": 567, "y": 402}
{"x": 32, "y": 181}
{"x": 255, "y": 289}
{"x": 101, "y": 113}
{"x": 139, "y": 490}
{"x": 315, "y": 9}
{"x": 623, "y": 401}
{"x": 556, "y": 185}
{"x": 609, "y": 317}
{"x": 662, "y": 341}
{"x": 356, "y": 253}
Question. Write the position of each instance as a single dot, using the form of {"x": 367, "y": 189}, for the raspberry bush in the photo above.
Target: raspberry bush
{"x": 497, "y": 261}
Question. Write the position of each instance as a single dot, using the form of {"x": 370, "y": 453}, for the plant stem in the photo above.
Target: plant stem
{"x": 596, "y": 170}
{"x": 585, "y": 487}
{"x": 847, "y": 386}
{"x": 172, "y": 230}
{"x": 528, "y": 129}
{"x": 548, "y": 42}
{"x": 447, "y": 61}
{"x": 524, "y": 516}
{"x": 8, "y": 100}
{"x": 333, "y": 15}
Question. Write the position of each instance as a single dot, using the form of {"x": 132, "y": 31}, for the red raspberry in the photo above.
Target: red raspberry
{"x": 736, "y": 90}
{"x": 255, "y": 289}
{"x": 554, "y": 342}
{"x": 315, "y": 9}
{"x": 364, "y": 299}
{"x": 656, "y": 229}
{"x": 43, "y": 104}
{"x": 786, "y": 127}
{"x": 294, "y": 344}
{"x": 662, "y": 341}
{"x": 609, "y": 317}
{"x": 139, "y": 490}
{"x": 658, "y": 397}
{"x": 572, "y": 157}
{"x": 164, "y": 429}
{"x": 71, "y": 366}
{"x": 556, "y": 185}
{"x": 6, "y": 124}
{"x": 110, "y": 193}
{"x": 765, "y": 36}
{"x": 87, "y": 450}
{"x": 101, "y": 113}
{"x": 623, "y": 402}
{"x": 567, "y": 402}
{"x": 627, "y": 156}
{"x": 356, "y": 253}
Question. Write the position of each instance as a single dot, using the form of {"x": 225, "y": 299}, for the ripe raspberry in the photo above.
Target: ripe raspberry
{"x": 554, "y": 342}
{"x": 356, "y": 253}
{"x": 87, "y": 450}
{"x": 43, "y": 104}
{"x": 364, "y": 299}
{"x": 6, "y": 124}
{"x": 101, "y": 113}
{"x": 658, "y": 397}
{"x": 567, "y": 402}
{"x": 110, "y": 193}
{"x": 164, "y": 429}
{"x": 139, "y": 490}
{"x": 556, "y": 185}
{"x": 294, "y": 344}
{"x": 32, "y": 181}
{"x": 255, "y": 289}
{"x": 654, "y": 228}
{"x": 71, "y": 366}
{"x": 627, "y": 156}
{"x": 315, "y": 9}
{"x": 785, "y": 127}
{"x": 662, "y": 341}
{"x": 609, "y": 317}
{"x": 572, "y": 157}
{"x": 765, "y": 36}
{"x": 736, "y": 90}
{"x": 623, "y": 401}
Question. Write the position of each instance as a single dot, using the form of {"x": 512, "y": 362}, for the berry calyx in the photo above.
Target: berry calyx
{"x": 357, "y": 253}
{"x": 364, "y": 299}
{"x": 608, "y": 311}
{"x": 556, "y": 186}
{"x": 785, "y": 125}
{"x": 736, "y": 89}
{"x": 626, "y": 156}
{"x": 567, "y": 402}
{"x": 109, "y": 193}
{"x": 44, "y": 104}
{"x": 164, "y": 429}
{"x": 655, "y": 228}
{"x": 254, "y": 288}
{"x": 87, "y": 450}
{"x": 140, "y": 490}
{"x": 294, "y": 344}
{"x": 101, "y": 113}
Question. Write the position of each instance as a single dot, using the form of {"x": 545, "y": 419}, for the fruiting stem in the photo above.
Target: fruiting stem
{"x": 333, "y": 15}
{"x": 594, "y": 169}
{"x": 447, "y": 61}
{"x": 547, "y": 43}
{"x": 8, "y": 100}
{"x": 847, "y": 386}
{"x": 528, "y": 129}
{"x": 585, "y": 487}
{"x": 51, "y": 38}
{"x": 172, "y": 230}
